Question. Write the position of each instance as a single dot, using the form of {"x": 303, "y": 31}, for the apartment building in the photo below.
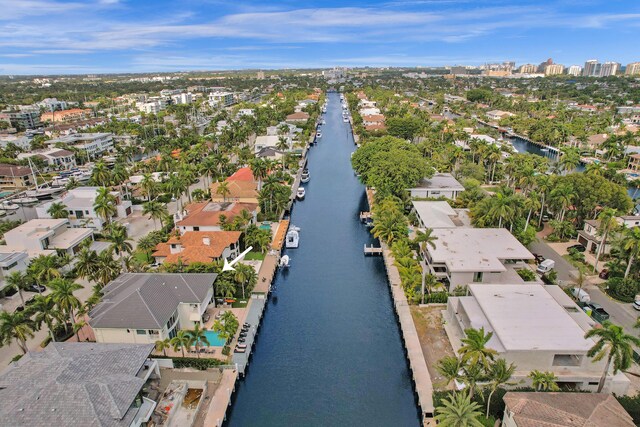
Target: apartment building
{"x": 553, "y": 69}
{"x": 66, "y": 115}
{"x": 56, "y": 158}
{"x": 24, "y": 119}
{"x": 221, "y": 99}
{"x": 93, "y": 144}
{"x": 633, "y": 69}
{"x": 14, "y": 177}
{"x": 575, "y": 70}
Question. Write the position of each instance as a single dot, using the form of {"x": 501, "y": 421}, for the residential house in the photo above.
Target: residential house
{"x": 142, "y": 308}
{"x": 206, "y": 216}
{"x": 199, "y": 246}
{"x": 634, "y": 163}
{"x": 66, "y": 115}
{"x": 475, "y": 255}
{"x": 11, "y": 260}
{"x": 269, "y": 141}
{"x": 22, "y": 142}
{"x": 440, "y": 185}
{"x": 562, "y": 409}
{"x": 497, "y": 115}
{"x": 56, "y": 158}
{"x": 439, "y": 214}
{"x": 79, "y": 384}
{"x": 374, "y": 119}
{"x": 270, "y": 153}
{"x": 589, "y": 238}
{"x": 93, "y": 144}
{"x": 535, "y": 327}
{"x": 299, "y": 117}
{"x": 46, "y": 236}
{"x": 80, "y": 203}
{"x": 242, "y": 186}
{"x": 14, "y": 177}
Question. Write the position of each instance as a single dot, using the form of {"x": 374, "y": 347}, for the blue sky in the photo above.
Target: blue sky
{"x": 103, "y": 36}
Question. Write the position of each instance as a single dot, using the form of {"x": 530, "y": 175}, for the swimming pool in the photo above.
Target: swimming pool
{"x": 214, "y": 339}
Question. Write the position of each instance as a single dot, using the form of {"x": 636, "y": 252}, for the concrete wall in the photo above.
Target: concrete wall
{"x": 108, "y": 335}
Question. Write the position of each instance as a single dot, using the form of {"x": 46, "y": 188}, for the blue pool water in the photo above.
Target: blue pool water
{"x": 214, "y": 339}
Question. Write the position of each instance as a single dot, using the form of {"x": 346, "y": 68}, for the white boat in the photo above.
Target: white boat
{"x": 305, "y": 177}
{"x": 346, "y": 120}
{"x": 300, "y": 193}
{"x": 284, "y": 261}
{"x": 8, "y": 206}
{"x": 42, "y": 193}
{"x": 292, "y": 238}
{"x": 324, "y": 122}
{"x": 25, "y": 201}
{"x": 318, "y": 134}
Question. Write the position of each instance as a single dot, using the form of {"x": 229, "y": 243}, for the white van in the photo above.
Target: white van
{"x": 546, "y": 266}
{"x": 581, "y": 295}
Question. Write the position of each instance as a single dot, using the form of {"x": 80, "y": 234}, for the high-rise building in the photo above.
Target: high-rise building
{"x": 609, "y": 69}
{"x": 260, "y": 75}
{"x": 527, "y": 69}
{"x": 553, "y": 69}
{"x": 544, "y": 65}
{"x": 574, "y": 70}
{"x": 633, "y": 69}
{"x": 591, "y": 68}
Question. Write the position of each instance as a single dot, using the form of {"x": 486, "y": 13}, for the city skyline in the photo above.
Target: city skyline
{"x": 111, "y": 36}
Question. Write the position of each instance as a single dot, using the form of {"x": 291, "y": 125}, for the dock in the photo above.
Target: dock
{"x": 365, "y": 216}
{"x": 372, "y": 250}
{"x": 281, "y": 233}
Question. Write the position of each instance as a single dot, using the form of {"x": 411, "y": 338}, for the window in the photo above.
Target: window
{"x": 477, "y": 276}
{"x": 141, "y": 332}
{"x": 10, "y": 266}
{"x": 79, "y": 214}
{"x": 567, "y": 360}
{"x": 196, "y": 228}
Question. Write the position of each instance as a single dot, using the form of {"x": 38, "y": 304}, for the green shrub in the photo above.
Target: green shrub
{"x": 527, "y": 274}
{"x": 622, "y": 289}
{"x": 631, "y": 404}
{"x": 192, "y": 362}
{"x": 436, "y": 298}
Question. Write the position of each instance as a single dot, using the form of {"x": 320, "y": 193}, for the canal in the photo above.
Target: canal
{"x": 329, "y": 351}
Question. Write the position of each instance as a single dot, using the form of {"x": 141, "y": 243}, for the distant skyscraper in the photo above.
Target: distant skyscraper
{"x": 591, "y": 68}
{"x": 527, "y": 69}
{"x": 633, "y": 69}
{"x": 553, "y": 69}
{"x": 575, "y": 70}
{"x": 544, "y": 65}
{"x": 609, "y": 69}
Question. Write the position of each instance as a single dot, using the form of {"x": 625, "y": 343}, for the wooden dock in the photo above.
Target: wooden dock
{"x": 281, "y": 232}
{"x": 372, "y": 250}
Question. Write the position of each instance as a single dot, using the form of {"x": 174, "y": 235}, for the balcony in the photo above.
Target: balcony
{"x": 144, "y": 412}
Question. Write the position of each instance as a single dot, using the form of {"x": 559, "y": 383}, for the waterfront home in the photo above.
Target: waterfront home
{"x": 199, "y": 246}
{"x": 535, "y": 327}
{"x": 12, "y": 260}
{"x": 79, "y": 384}
{"x": 56, "y": 158}
{"x": 475, "y": 255}
{"x": 79, "y": 202}
{"x": 270, "y": 141}
{"x": 14, "y": 177}
{"x": 375, "y": 119}
{"x": 299, "y": 117}
{"x": 634, "y": 163}
{"x": 91, "y": 144}
{"x": 270, "y": 153}
{"x": 142, "y": 308}
{"x": 46, "y": 237}
{"x": 440, "y": 185}
{"x": 242, "y": 187}
{"x": 207, "y": 216}
{"x": 439, "y": 214}
{"x": 497, "y": 115}
{"x": 561, "y": 409}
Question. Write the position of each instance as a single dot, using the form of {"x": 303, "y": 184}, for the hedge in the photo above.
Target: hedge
{"x": 192, "y": 362}
{"x": 631, "y": 404}
{"x": 436, "y": 298}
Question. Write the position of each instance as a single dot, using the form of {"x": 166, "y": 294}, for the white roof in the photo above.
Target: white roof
{"x": 476, "y": 249}
{"x": 440, "y": 181}
{"x": 524, "y": 317}
{"x": 438, "y": 214}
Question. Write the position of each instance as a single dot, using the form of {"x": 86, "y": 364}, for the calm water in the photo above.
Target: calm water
{"x": 329, "y": 350}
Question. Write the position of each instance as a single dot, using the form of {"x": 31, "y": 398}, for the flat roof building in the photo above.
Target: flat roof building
{"x": 440, "y": 185}
{"x": 439, "y": 214}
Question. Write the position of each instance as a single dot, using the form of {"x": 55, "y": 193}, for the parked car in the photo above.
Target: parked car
{"x": 580, "y": 295}
{"x": 539, "y": 258}
{"x": 597, "y": 312}
{"x": 578, "y": 247}
{"x": 636, "y": 303}
{"x": 546, "y": 266}
{"x": 604, "y": 274}
{"x": 34, "y": 287}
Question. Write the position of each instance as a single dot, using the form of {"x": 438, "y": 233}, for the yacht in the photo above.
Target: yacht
{"x": 42, "y": 193}
{"x": 8, "y": 206}
{"x": 284, "y": 261}
{"x": 300, "y": 193}
{"x": 292, "y": 238}
{"x": 25, "y": 201}
{"x": 305, "y": 177}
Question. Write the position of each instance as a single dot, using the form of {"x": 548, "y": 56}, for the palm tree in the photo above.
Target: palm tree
{"x": 532, "y": 204}
{"x": 155, "y": 210}
{"x": 614, "y": 344}
{"x": 608, "y": 222}
{"x": 16, "y": 326}
{"x": 105, "y": 204}
{"x": 176, "y": 186}
{"x": 225, "y": 288}
{"x": 223, "y": 190}
{"x": 449, "y": 367}
{"x": 120, "y": 242}
{"x": 458, "y": 411}
{"x": 77, "y": 327}
{"x": 46, "y": 312}
{"x": 260, "y": 170}
{"x": 163, "y": 345}
{"x": 198, "y": 336}
{"x": 86, "y": 263}
{"x": 425, "y": 238}
{"x": 243, "y": 275}
{"x": 100, "y": 175}
{"x": 180, "y": 341}
{"x": 62, "y": 294}
{"x": 471, "y": 374}
{"x": 19, "y": 281}
{"x": 107, "y": 268}
{"x": 631, "y": 244}
{"x": 148, "y": 186}
{"x": 499, "y": 374}
{"x": 544, "y": 381}
{"x": 474, "y": 349}
{"x": 44, "y": 268}
{"x": 58, "y": 210}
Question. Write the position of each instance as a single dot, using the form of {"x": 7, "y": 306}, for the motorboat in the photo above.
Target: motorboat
{"x": 8, "y": 206}
{"x": 300, "y": 193}
{"x": 305, "y": 177}
{"x": 318, "y": 134}
{"x": 24, "y": 201}
{"x": 324, "y": 122}
{"x": 292, "y": 238}
{"x": 43, "y": 193}
{"x": 345, "y": 119}
{"x": 284, "y": 261}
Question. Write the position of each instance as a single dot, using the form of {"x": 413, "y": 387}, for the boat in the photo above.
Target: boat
{"x": 305, "y": 177}
{"x": 544, "y": 150}
{"x": 292, "y": 238}
{"x": 284, "y": 261}
{"x": 8, "y": 206}
{"x": 24, "y": 201}
{"x": 345, "y": 119}
{"x": 42, "y": 193}
{"x": 300, "y": 193}
{"x": 324, "y": 122}
{"x": 318, "y": 134}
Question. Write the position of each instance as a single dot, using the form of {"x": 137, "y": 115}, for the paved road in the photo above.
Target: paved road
{"x": 566, "y": 271}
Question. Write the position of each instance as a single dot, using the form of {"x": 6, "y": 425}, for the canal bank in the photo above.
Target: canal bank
{"x": 329, "y": 350}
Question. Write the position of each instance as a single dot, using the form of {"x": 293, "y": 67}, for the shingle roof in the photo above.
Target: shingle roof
{"x": 146, "y": 300}
{"x": 83, "y": 384}
{"x": 567, "y": 410}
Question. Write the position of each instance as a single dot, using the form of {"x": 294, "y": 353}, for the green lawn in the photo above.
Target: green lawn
{"x": 254, "y": 256}
{"x": 142, "y": 257}
{"x": 240, "y": 303}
